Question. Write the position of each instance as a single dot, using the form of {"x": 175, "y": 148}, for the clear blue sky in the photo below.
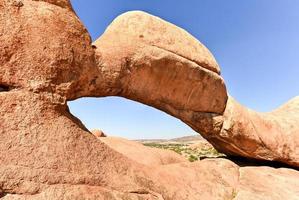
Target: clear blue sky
{"x": 256, "y": 43}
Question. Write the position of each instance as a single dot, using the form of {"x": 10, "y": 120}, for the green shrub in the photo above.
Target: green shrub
{"x": 192, "y": 158}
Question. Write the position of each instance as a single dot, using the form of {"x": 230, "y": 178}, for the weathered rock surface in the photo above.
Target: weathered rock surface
{"x": 51, "y": 46}
{"x": 267, "y": 136}
{"x": 159, "y": 71}
{"x": 46, "y": 58}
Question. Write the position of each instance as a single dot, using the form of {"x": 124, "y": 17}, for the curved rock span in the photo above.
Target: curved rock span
{"x": 47, "y": 58}
{"x": 154, "y": 62}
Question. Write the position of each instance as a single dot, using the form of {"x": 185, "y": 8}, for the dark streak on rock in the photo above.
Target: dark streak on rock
{"x": 4, "y": 88}
{"x": 18, "y": 4}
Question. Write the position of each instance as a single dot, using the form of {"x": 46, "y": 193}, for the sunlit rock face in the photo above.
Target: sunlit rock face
{"x": 157, "y": 63}
{"x": 47, "y": 58}
{"x": 44, "y": 48}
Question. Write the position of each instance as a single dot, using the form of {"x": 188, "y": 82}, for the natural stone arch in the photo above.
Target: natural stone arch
{"x": 161, "y": 72}
{"x": 146, "y": 59}
{"x": 139, "y": 57}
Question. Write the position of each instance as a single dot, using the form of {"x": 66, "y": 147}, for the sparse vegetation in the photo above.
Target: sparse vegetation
{"x": 192, "y": 158}
{"x": 234, "y": 194}
{"x": 188, "y": 150}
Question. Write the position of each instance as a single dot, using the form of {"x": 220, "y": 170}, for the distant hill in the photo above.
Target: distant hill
{"x": 187, "y": 138}
{"x": 190, "y": 138}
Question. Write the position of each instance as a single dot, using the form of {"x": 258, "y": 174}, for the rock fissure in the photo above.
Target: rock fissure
{"x": 4, "y": 88}
{"x": 7, "y": 88}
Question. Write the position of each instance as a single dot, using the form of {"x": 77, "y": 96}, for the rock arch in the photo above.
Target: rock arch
{"x": 143, "y": 58}
{"x": 146, "y": 59}
{"x": 47, "y": 58}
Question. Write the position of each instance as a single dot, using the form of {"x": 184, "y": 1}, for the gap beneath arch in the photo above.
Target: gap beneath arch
{"x": 118, "y": 116}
